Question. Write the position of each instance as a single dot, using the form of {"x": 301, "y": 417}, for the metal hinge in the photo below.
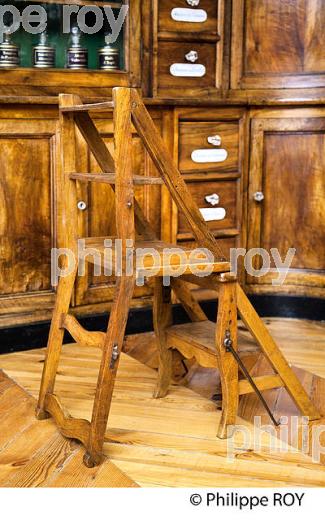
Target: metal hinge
{"x": 115, "y": 356}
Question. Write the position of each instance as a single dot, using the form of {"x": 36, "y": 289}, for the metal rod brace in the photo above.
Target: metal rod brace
{"x": 229, "y": 348}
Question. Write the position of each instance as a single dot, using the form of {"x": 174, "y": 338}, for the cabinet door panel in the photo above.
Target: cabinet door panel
{"x": 314, "y": 55}
{"x": 278, "y": 43}
{"x": 274, "y": 36}
{"x": 25, "y": 217}
{"x": 294, "y": 189}
{"x": 288, "y": 165}
{"x": 27, "y": 151}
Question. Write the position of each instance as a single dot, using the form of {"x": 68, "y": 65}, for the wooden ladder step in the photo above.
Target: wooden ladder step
{"x": 110, "y": 178}
{"x": 90, "y": 107}
{"x": 147, "y": 252}
{"x": 198, "y": 340}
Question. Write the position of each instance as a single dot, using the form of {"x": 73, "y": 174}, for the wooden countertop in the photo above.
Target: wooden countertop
{"x": 314, "y": 96}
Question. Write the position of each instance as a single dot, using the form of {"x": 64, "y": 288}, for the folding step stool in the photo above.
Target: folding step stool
{"x": 210, "y": 344}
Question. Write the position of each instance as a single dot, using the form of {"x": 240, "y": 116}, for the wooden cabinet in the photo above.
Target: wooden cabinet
{"x": 278, "y": 44}
{"x": 245, "y": 53}
{"x": 29, "y": 222}
{"x": 210, "y": 149}
{"x": 287, "y": 166}
{"x": 26, "y": 80}
{"x": 28, "y": 150}
{"x": 187, "y": 47}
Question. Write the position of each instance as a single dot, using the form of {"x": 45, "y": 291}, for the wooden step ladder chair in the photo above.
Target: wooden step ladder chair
{"x": 211, "y": 344}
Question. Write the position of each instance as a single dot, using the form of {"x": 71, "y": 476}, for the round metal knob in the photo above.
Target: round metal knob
{"x": 192, "y": 56}
{"x": 82, "y": 205}
{"x": 213, "y": 199}
{"x": 193, "y": 3}
{"x": 215, "y": 140}
{"x": 258, "y": 196}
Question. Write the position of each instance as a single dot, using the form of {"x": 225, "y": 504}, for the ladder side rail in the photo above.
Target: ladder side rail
{"x": 124, "y": 188}
{"x": 125, "y": 225}
{"x": 67, "y": 216}
{"x": 67, "y": 190}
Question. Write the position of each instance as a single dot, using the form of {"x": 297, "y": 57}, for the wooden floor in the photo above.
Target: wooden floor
{"x": 34, "y": 454}
{"x": 301, "y": 341}
{"x": 169, "y": 442}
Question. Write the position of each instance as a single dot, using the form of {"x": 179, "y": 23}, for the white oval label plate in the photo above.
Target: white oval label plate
{"x": 187, "y": 70}
{"x": 210, "y": 214}
{"x": 207, "y": 155}
{"x": 181, "y": 14}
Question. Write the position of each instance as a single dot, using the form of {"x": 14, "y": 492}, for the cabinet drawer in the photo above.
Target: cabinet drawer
{"x": 196, "y": 136}
{"x": 227, "y": 192}
{"x": 177, "y": 71}
{"x": 181, "y": 16}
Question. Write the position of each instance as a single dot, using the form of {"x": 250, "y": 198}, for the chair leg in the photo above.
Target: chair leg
{"x": 108, "y": 368}
{"x": 162, "y": 318}
{"x": 54, "y": 345}
{"x": 227, "y": 329}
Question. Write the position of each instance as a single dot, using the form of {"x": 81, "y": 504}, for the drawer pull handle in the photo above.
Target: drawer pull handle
{"x": 211, "y": 214}
{"x": 184, "y": 14}
{"x": 192, "y": 56}
{"x": 259, "y": 196}
{"x": 209, "y": 155}
{"x": 213, "y": 199}
{"x": 193, "y": 3}
{"x": 82, "y": 205}
{"x": 187, "y": 70}
{"x": 215, "y": 140}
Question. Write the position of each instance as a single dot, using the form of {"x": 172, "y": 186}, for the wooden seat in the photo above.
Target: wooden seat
{"x": 205, "y": 341}
{"x": 154, "y": 257}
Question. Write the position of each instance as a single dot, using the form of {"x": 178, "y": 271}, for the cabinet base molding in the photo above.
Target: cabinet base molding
{"x": 26, "y": 337}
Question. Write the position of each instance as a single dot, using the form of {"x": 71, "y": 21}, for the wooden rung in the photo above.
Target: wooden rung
{"x": 110, "y": 178}
{"x": 90, "y": 107}
{"x": 69, "y": 426}
{"x": 81, "y": 335}
{"x": 262, "y": 383}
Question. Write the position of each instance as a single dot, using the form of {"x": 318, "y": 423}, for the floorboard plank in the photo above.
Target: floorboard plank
{"x": 164, "y": 442}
